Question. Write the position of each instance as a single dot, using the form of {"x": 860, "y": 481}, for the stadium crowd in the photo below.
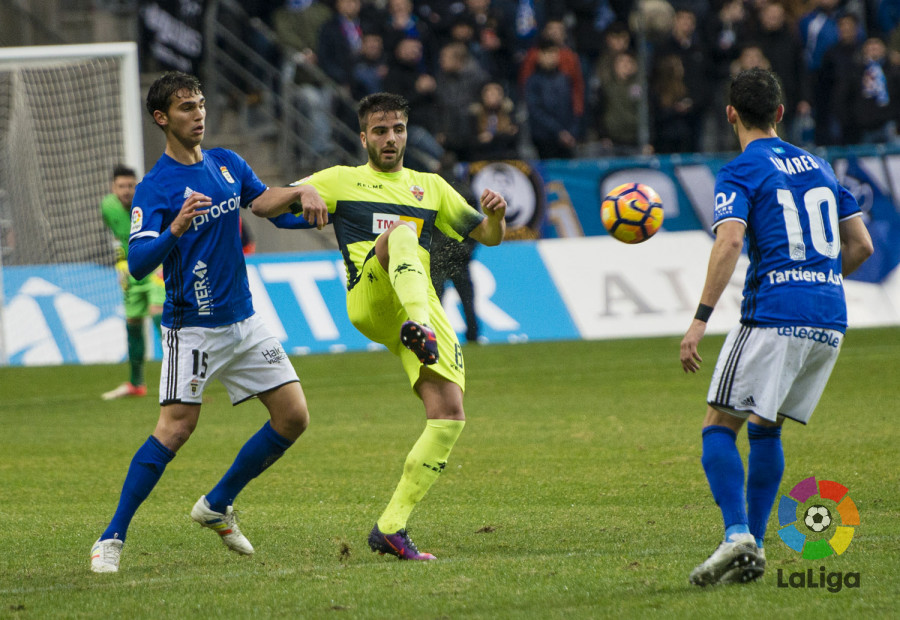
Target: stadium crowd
{"x": 561, "y": 78}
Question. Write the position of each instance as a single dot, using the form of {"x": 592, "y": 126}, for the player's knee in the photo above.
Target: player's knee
{"x": 402, "y": 234}
{"x": 299, "y": 421}
{"x": 291, "y": 422}
{"x": 174, "y": 433}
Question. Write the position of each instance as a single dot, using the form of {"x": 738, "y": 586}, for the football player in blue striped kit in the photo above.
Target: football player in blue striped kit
{"x": 805, "y": 234}
{"x": 185, "y": 216}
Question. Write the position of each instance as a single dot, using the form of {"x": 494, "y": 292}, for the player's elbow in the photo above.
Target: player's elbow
{"x": 492, "y": 241}
{"x": 866, "y": 249}
{"x": 259, "y": 209}
{"x": 136, "y": 271}
{"x": 729, "y": 244}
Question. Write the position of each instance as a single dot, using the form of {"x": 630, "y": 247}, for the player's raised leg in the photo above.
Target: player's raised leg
{"x": 397, "y": 251}
{"x": 175, "y": 425}
{"x": 423, "y": 466}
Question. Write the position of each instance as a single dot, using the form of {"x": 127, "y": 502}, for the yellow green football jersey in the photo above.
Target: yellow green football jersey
{"x": 364, "y": 203}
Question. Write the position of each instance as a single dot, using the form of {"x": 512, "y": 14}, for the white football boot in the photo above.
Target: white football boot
{"x": 225, "y": 525}
{"x": 736, "y": 560}
{"x": 105, "y": 555}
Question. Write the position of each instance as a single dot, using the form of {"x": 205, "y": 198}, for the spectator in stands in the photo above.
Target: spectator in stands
{"x": 725, "y": 33}
{"x": 407, "y": 77}
{"x": 439, "y": 15}
{"x": 493, "y": 129}
{"x": 616, "y": 39}
{"x": 569, "y": 64}
{"x": 495, "y": 37}
{"x": 401, "y": 23}
{"x": 779, "y": 42}
{"x": 370, "y": 67}
{"x": 875, "y": 96}
{"x": 591, "y": 19}
{"x": 684, "y": 41}
{"x": 458, "y": 87}
{"x": 819, "y": 32}
{"x": 619, "y": 109}
{"x": 840, "y": 62}
{"x": 340, "y": 40}
{"x": 551, "y": 107}
{"x": 671, "y": 107}
{"x": 297, "y": 23}
{"x": 750, "y": 57}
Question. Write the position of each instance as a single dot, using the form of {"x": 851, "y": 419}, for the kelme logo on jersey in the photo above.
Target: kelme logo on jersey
{"x": 137, "y": 219}
{"x": 382, "y": 221}
{"x": 226, "y": 174}
{"x": 816, "y": 518}
{"x": 418, "y": 192}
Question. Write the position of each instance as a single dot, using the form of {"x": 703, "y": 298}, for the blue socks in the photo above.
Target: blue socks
{"x": 147, "y": 466}
{"x": 764, "y": 470}
{"x": 260, "y": 451}
{"x": 725, "y": 473}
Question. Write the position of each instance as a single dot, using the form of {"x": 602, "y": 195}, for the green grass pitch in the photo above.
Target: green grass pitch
{"x": 575, "y": 491}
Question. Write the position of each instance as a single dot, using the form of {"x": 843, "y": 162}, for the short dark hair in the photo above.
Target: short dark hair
{"x": 168, "y": 84}
{"x": 756, "y": 94}
{"x": 380, "y": 102}
{"x": 121, "y": 170}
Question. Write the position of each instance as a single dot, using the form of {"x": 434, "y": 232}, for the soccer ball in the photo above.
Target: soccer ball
{"x": 632, "y": 213}
{"x": 817, "y": 518}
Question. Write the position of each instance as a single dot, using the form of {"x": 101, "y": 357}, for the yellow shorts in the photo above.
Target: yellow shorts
{"x": 376, "y": 312}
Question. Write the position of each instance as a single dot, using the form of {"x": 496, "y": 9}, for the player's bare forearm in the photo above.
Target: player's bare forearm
{"x": 722, "y": 261}
{"x": 856, "y": 245}
{"x": 277, "y": 200}
{"x": 492, "y": 228}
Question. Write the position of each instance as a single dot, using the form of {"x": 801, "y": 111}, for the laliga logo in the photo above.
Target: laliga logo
{"x": 809, "y": 517}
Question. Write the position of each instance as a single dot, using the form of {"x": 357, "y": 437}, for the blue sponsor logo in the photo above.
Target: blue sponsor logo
{"x": 825, "y": 336}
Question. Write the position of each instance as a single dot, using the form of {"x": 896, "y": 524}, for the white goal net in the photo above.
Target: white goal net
{"x": 68, "y": 115}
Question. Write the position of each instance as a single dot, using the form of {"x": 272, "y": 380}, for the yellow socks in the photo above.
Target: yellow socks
{"x": 424, "y": 464}
{"x": 407, "y": 273}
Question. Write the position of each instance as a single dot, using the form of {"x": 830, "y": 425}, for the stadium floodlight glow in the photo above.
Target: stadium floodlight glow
{"x": 68, "y": 114}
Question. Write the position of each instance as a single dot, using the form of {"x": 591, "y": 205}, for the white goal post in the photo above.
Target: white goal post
{"x": 68, "y": 115}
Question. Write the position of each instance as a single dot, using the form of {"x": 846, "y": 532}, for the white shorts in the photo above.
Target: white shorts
{"x": 774, "y": 371}
{"x": 244, "y": 356}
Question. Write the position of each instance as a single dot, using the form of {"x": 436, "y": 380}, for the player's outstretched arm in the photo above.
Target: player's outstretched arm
{"x": 493, "y": 227}
{"x": 722, "y": 260}
{"x": 277, "y": 200}
{"x": 292, "y": 222}
{"x": 856, "y": 244}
